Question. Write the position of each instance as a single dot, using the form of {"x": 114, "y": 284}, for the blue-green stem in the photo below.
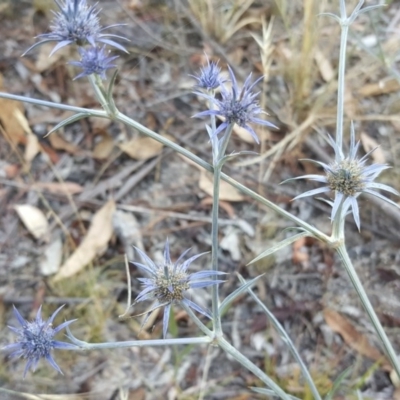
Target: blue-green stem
{"x": 101, "y": 95}
{"x": 338, "y": 223}
{"x": 286, "y": 338}
{"x": 338, "y": 226}
{"x": 214, "y": 228}
{"x": 98, "y": 88}
{"x": 214, "y": 249}
{"x": 341, "y": 87}
{"x": 186, "y": 153}
{"x": 59, "y": 106}
{"x": 355, "y": 280}
{"x": 251, "y": 367}
{"x": 208, "y": 167}
{"x": 82, "y": 345}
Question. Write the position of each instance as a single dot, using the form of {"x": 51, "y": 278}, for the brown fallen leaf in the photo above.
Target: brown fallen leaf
{"x": 227, "y": 207}
{"x": 51, "y": 259}
{"x": 369, "y": 144}
{"x": 94, "y": 243}
{"x": 353, "y": 338}
{"x": 324, "y": 65}
{"x": 141, "y": 148}
{"x": 44, "y": 62}
{"x": 11, "y": 170}
{"x": 244, "y": 134}
{"x": 299, "y": 255}
{"x": 127, "y": 229}
{"x": 33, "y": 219}
{"x": 226, "y": 192}
{"x": 351, "y": 105}
{"x": 32, "y": 147}
{"x": 59, "y": 187}
{"x": 59, "y": 143}
{"x": 384, "y": 86}
{"x": 103, "y": 149}
{"x": 99, "y": 125}
{"x": 54, "y": 157}
{"x": 231, "y": 242}
{"x": 12, "y": 126}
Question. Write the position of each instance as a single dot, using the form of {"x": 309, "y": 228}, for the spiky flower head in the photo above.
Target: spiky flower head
{"x": 94, "y": 60}
{"x": 169, "y": 282}
{"x": 237, "y": 106}
{"x": 209, "y": 77}
{"x": 35, "y": 340}
{"x": 348, "y": 177}
{"x": 78, "y": 23}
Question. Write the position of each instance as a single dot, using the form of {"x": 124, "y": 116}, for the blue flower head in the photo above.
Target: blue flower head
{"x": 348, "y": 177}
{"x": 209, "y": 77}
{"x": 168, "y": 283}
{"x": 78, "y": 23}
{"x": 94, "y": 60}
{"x": 35, "y": 340}
{"x": 237, "y": 106}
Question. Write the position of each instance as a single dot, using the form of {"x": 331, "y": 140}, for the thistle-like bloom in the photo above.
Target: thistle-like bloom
{"x": 94, "y": 60}
{"x": 209, "y": 77}
{"x": 76, "y": 22}
{"x": 168, "y": 283}
{"x": 237, "y": 106}
{"x": 35, "y": 340}
{"x": 348, "y": 177}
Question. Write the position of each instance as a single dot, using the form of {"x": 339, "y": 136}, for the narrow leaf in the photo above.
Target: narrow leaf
{"x": 94, "y": 243}
{"x": 228, "y": 300}
{"x": 269, "y": 392}
{"x": 67, "y": 121}
{"x": 111, "y": 85}
{"x": 338, "y": 383}
{"x": 34, "y": 220}
{"x": 279, "y": 246}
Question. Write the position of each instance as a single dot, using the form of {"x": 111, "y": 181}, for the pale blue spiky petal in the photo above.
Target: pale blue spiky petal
{"x": 237, "y": 106}
{"x": 366, "y": 176}
{"x": 150, "y": 285}
{"x": 35, "y": 340}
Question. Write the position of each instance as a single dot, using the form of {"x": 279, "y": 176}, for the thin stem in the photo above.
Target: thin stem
{"x": 286, "y": 338}
{"x": 99, "y": 92}
{"x": 136, "y": 343}
{"x": 341, "y": 86}
{"x": 355, "y": 280}
{"x": 252, "y": 368}
{"x": 339, "y": 222}
{"x": 104, "y": 98}
{"x": 128, "y": 280}
{"x": 214, "y": 250}
{"x": 244, "y": 189}
{"x": 50, "y": 104}
{"x": 186, "y": 153}
{"x": 214, "y": 228}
